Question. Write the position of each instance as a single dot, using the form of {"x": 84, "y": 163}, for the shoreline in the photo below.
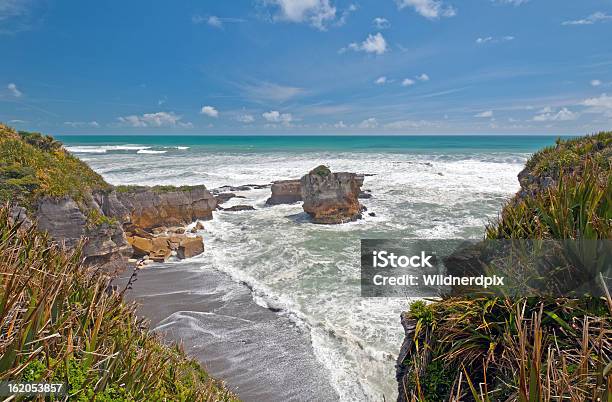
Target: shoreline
{"x": 262, "y": 354}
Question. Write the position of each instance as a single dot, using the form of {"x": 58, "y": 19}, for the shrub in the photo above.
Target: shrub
{"x": 61, "y": 322}
{"x": 34, "y": 166}
{"x": 321, "y": 170}
{"x": 528, "y": 348}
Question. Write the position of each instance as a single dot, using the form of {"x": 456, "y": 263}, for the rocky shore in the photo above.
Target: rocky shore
{"x": 125, "y": 222}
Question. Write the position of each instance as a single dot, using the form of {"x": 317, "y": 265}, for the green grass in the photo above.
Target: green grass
{"x": 527, "y": 348}
{"x": 578, "y": 205}
{"x": 567, "y": 156}
{"x": 33, "y": 166}
{"x": 60, "y": 322}
{"x": 321, "y": 170}
{"x": 95, "y": 219}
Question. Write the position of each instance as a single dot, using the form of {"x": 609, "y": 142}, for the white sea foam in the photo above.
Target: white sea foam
{"x": 150, "y": 151}
{"x": 101, "y": 149}
{"x": 311, "y": 272}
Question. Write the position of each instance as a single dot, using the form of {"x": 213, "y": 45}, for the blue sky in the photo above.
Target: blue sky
{"x": 306, "y": 66}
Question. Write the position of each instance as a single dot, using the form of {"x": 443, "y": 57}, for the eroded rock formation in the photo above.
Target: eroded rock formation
{"x": 285, "y": 192}
{"x": 67, "y": 221}
{"x": 331, "y": 198}
{"x": 150, "y": 207}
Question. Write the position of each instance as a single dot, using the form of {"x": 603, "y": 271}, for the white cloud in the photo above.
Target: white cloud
{"x": 373, "y": 44}
{"x": 268, "y": 91}
{"x": 14, "y": 9}
{"x": 13, "y": 88}
{"x": 381, "y": 80}
{"x": 407, "y": 82}
{"x": 78, "y": 124}
{"x": 317, "y": 13}
{"x": 431, "y": 9}
{"x": 345, "y": 14}
{"x": 491, "y": 39}
{"x": 340, "y": 124}
{"x": 485, "y": 114}
{"x": 595, "y": 83}
{"x": 209, "y": 111}
{"x": 381, "y": 23}
{"x": 548, "y": 114}
{"x": 603, "y": 104}
{"x": 214, "y": 21}
{"x": 511, "y": 2}
{"x": 406, "y": 124}
{"x": 245, "y": 118}
{"x": 368, "y": 123}
{"x": 591, "y": 19}
{"x": 274, "y": 116}
{"x": 423, "y": 77}
{"x": 159, "y": 119}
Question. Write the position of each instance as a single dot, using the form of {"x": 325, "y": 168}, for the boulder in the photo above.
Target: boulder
{"x": 199, "y": 225}
{"x": 190, "y": 247}
{"x": 159, "y": 230}
{"x": 237, "y": 208}
{"x": 141, "y": 246}
{"x": 158, "y": 248}
{"x": 285, "y": 192}
{"x": 224, "y": 197}
{"x": 331, "y": 198}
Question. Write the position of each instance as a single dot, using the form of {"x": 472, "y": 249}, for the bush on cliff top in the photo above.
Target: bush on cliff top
{"x": 568, "y": 155}
{"x": 578, "y": 204}
{"x": 59, "y": 322}
{"x": 321, "y": 170}
{"x": 534, "y": 348}
{"x": 33, "y": 166}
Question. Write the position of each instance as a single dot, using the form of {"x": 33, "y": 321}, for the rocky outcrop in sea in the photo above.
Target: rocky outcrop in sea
{"x": 285, "y": 192}
{"x": 331, "y": 198}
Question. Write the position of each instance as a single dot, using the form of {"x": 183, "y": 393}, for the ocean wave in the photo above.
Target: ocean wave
{"x": 102, "y": 149}
{"x": 150, "y": 151}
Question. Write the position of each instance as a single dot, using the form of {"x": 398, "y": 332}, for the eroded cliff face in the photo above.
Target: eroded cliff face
{"x": 331, "y": 198}
{"x": 101, "y": 220}
{"x": 151, "y": 207}
{"x": 66, "y": 221}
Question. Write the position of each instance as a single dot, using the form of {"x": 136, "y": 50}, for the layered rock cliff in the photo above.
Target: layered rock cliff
{"x": 150, "y": 207}
{"x": 285, "y": 192}
{"x": 69, "y": 222}
{"x": 47, "y": 186}
{"x": 331, "y": 198}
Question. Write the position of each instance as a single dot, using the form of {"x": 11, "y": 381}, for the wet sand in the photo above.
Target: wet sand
{"x": 261, "y": 354}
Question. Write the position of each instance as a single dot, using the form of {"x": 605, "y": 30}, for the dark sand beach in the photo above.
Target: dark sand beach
{"x": 260, "y": 353}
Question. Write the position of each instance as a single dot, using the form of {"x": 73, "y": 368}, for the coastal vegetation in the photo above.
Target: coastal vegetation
{"x": 61, "y": 322}
{"x": 60, "y": 319}
{"x": 33, "y": 165}
{"x": 526, "y": 348}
